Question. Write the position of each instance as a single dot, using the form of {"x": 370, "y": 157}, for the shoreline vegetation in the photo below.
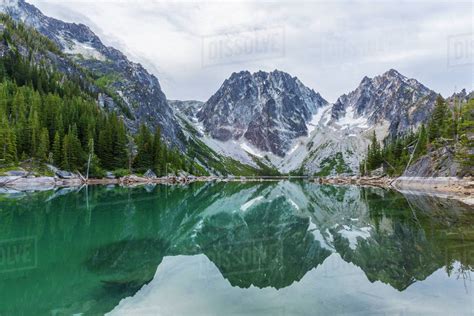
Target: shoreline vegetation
{"x": 461, "y": 189}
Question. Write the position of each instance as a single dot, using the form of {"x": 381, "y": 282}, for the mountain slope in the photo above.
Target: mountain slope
{"x": 50, "y": 114}
{"x": 273, "y": 117}
{"x": 267, "y": 110}
{"x": 391, "y": 97}
{"x": 390, "y": 104}
{"x": 214, "y": 158}
{"x": 130, "y": 88}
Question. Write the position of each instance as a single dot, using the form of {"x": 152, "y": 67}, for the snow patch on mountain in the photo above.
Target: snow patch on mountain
{"x": 349, "y": 120}
{"x": 299, "y": 152}
{"x": 250, "y": 150}
{"x": 316, "y": 119}
{"x": 85, "y": 50}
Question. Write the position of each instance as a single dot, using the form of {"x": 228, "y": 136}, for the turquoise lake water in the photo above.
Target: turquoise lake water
{"x": 257, "y": 248}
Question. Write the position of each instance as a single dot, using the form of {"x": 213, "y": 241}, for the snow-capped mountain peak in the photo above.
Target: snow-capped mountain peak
{"x": 266, "y": 109}
{"x": 389, "y": 97}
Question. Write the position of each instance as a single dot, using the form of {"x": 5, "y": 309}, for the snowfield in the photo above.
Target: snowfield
{"x": 350, "y": 120}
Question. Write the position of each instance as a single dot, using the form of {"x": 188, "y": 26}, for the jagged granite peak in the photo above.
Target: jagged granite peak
{"x": 266, "y": 109}
{"x": 389, "y": 104}
{"x": 392, "y": 97}
{"x": 460, "y": 97}
{"x": 138, "y": 91}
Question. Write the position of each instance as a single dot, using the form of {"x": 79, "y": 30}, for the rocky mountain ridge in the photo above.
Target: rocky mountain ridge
{"x": 325, "y": 138}
{"x": 389, "y": 105}
{"x": 130, "y": 88}
{"x": 392, "y": 97}
{"x": 266, "y": 109}
{"x": 268, "y": 119}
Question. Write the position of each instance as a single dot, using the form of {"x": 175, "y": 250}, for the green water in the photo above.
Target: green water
{"x": 262, "y": 248}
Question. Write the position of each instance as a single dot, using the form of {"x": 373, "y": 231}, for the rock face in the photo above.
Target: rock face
{"x": 132, "y": 90}
{"x": 438, "y": 163}
{"x": 390, "y": 104}
{"x": 273, "y": 112}
{"x": 392, "y": 97}
{"x": 269, "y": 110}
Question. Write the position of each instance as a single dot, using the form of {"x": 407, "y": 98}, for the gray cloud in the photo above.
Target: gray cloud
{"x": 330, "y": 46}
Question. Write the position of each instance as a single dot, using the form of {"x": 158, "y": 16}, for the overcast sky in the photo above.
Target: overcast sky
{"x": 193, "y": 46}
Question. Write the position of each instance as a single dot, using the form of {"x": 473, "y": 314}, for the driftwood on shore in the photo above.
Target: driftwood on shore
{"x": 380, "y": 181}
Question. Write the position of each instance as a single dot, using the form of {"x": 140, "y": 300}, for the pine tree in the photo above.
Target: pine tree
{"x": 94, "y": 164}
{"x": 144, "y": 140}
{"x": 466, "y": 137}
{"x": 66, "y": 153}
{"x": 437, "y": 122}
{"x": 362, "y": 168}
{"x": 157, "y": 152}
{"x": 43, "y": 146}
{"x": 374, "y": 156}
{"x": 8, "y": 145}
{"x": 57, "y": 149}
{"x": 77, "y": 156}
{"x": 35, "y": 130}
{"x": 422, "y": 141}
{"x": 120, "y": 154}
{"x": 72, "y": 155}
{"x": 105, "y": 148}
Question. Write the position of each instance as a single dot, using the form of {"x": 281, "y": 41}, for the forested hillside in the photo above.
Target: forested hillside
{"x": 450, "y": 128}
{"x": 53, "y": 116}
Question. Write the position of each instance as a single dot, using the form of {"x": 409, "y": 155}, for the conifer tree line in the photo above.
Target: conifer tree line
{"x": 153, "y": 153}
{"x": 53, "y": 118}
{"x": 446, "y": 126}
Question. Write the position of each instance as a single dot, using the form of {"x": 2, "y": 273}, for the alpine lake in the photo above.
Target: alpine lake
{"x": 234, "y": 248}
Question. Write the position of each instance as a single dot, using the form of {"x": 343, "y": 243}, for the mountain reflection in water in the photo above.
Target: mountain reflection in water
{"x": 88, "y": 249}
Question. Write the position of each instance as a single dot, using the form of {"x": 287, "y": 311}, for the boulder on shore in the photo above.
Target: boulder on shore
{"x": 62, "y": 174}
{"x": 65, "y": 174}
{"x": 17, "y": 173}
{"x": 150, "y": 174}
{"x": 28, "y": 184}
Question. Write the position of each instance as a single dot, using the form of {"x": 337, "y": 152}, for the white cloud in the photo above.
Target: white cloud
{"x": 330, "y": 46}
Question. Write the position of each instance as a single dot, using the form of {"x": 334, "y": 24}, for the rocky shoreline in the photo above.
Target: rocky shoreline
{"x": 43, "y": 183}
{"x": 461, "y": 189}
{"x": 449, "y": 187}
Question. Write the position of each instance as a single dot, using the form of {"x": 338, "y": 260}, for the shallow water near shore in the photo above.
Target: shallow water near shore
{"x": 260, "y": 248}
